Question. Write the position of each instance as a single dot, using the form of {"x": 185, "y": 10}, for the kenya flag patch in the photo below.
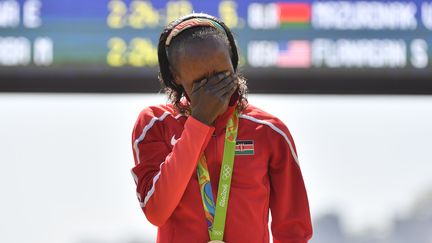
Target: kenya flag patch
{"x": 244, "y": 147}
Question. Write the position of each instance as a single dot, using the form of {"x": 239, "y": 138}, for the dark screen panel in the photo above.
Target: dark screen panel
{"x": 285, "y": 46}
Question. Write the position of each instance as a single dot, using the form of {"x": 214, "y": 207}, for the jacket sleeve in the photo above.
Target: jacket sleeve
{"x": 162, "y": 172}
{"x": 291, "y": 221}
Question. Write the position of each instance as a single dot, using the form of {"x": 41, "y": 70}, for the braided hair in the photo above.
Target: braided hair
{"x": 167, "y": 58}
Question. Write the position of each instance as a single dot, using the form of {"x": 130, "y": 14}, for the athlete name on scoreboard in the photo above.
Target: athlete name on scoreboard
{"x": 340, "y": 53}
{"x": 341, "y": 15}
{"x": 17, "y": 50}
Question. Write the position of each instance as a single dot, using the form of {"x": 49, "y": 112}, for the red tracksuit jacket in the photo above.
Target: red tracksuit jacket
{"x": 266, "y": 175}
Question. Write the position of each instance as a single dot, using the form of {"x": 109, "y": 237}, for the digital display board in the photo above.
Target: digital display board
{"x": 285, "y": 46}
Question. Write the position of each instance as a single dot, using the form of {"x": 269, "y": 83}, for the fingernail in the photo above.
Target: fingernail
{"x": 227, "y": 73}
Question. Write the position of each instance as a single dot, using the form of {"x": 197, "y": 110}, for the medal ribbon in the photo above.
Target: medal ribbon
{"x": 216, "y": 217}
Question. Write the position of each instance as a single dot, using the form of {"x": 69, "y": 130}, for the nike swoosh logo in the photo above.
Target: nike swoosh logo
{"x": 173, "y": 140}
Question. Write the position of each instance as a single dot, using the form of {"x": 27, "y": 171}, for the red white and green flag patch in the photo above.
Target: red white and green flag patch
{"x": 244, "y": 147}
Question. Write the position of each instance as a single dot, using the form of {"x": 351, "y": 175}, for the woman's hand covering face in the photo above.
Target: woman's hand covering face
{"x": 210, "y": 96}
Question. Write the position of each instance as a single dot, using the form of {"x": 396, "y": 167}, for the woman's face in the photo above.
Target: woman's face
{"x": 199, "y": 60}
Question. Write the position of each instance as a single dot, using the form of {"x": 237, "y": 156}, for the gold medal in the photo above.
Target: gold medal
{"x": 216, "y": 241}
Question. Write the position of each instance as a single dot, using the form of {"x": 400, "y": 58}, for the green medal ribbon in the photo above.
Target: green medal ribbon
{"x": 216, "y": 216}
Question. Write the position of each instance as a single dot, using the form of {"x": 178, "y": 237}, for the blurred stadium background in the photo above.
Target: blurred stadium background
{"x": 351, "y": 79}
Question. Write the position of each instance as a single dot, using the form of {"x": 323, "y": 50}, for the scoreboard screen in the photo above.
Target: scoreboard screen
{"x": 285, "y": 46}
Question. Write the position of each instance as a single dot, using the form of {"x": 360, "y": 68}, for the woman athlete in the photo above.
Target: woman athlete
{"x": 208, "y": 165}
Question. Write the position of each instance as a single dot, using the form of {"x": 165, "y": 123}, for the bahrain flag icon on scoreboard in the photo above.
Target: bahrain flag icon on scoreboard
{"x": 294, "y": 54}
{"x": 293, "y": 14}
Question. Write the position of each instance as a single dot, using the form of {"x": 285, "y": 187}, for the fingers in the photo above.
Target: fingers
{"x": 226, "y": 85}
{"x": 219, "y": 85}
{"x": 198, "y": 85}
{"x": 210, "y": 81}
{"x": 230, "y": 91}
{"x": 218, "y": 77}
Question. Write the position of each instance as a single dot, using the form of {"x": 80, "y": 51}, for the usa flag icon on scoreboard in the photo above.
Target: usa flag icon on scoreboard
{"x": 294, "y": 54}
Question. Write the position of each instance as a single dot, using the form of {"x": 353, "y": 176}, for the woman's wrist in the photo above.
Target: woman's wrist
{"x": 200, "y": 118}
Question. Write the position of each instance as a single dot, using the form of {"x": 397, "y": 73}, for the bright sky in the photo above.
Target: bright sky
{"x": 65, "y": 161}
